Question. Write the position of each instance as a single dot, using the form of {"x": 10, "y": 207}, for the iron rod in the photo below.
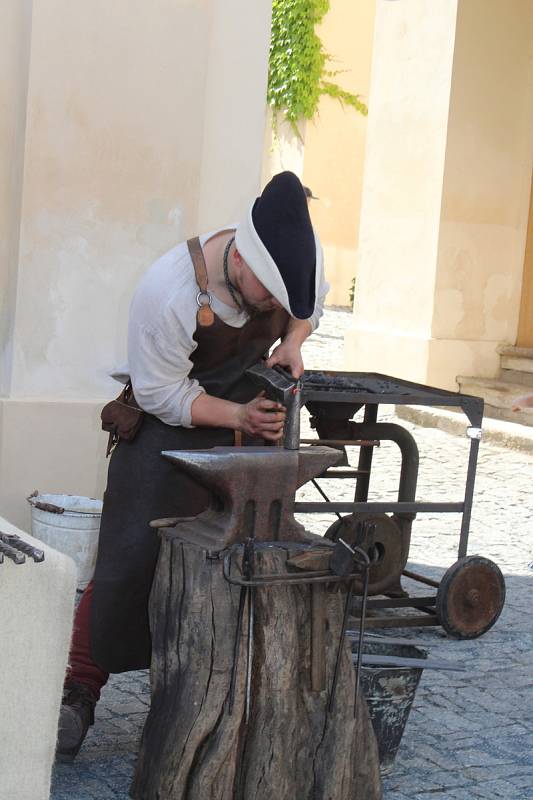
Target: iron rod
{"x": 400, "y": 602}
{"x": 343, "y": 442}
{"x": 237, "y": 647}
{"x": 334, "y": 472}
{"x": 285, "y": 578}
{"x": 397, "y": 621}
{"x": 250, "y": 655}
{"x": 361, "y": 636}
{"x": 324, "y": 495}
{"x": 469, "y": 495}
{"x": 420, "y": 578}
{"x": 379, "y": 507}
{"x": 340, "y": 645}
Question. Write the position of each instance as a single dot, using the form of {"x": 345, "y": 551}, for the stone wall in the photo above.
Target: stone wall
{"x": 131, "y": 127}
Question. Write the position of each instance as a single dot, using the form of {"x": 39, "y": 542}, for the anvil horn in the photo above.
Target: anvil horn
{"x": 202, "y": 466}
{"x": 314, "y": 460}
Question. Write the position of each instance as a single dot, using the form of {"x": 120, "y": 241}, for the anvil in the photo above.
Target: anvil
{"x": 254, "y": 492}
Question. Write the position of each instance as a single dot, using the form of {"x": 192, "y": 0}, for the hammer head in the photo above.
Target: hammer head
{"x": 278, "y": 384}
{"x": 285, "y": 389}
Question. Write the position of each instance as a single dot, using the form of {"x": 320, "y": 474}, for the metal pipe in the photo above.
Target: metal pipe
{"x": 365, "y": 457}
{"x": 389, "y": 431}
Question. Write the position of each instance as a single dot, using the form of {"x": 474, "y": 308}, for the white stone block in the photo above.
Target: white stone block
{"x": 37, "y": 605}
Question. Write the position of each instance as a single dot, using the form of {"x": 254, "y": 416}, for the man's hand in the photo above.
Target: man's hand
{"x": 259, "y": 417}
{"x": 262, "y": 417}
{"x": 288, "y": 354}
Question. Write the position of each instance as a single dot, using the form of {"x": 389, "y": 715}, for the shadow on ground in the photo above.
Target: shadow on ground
{"x": 470, "y": 733}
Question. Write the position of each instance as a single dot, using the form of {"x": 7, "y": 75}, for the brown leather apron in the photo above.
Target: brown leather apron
{"x": 142, "y": 485}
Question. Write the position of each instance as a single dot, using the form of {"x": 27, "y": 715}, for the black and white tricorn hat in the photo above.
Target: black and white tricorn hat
{"x": 277, "y": 241}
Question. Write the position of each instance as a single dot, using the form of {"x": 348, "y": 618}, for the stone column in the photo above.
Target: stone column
{"x": 445, "y": 194}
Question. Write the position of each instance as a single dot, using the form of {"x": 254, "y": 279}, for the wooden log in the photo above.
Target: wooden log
{"x": 192, "y": 747}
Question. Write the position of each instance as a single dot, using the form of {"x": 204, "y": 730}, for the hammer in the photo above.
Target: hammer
{"x": 285, "y": 389}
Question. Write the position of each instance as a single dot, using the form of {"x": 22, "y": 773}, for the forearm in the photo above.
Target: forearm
{"x": 258, "y": 417}
{"x": 213, "y": 412}
{"x": 298, "y": 330}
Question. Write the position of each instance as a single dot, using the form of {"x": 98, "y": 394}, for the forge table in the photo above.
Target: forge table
{"x": 471, "y": 594}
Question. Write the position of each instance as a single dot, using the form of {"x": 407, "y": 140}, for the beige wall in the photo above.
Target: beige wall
{"x": 450, "y": 140}
{"x": 330, "y": 156}
{"x": 234, "y": 101}
{"x": 487, "y": 179}
{"x": 15, "y": 33}
{"x": 144, "y": 124}
{"x": 335, "y": 143}
{"x": 112, "y": 169}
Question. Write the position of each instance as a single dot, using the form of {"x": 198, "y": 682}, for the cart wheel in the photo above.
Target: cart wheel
{"x": 470, "y": 597}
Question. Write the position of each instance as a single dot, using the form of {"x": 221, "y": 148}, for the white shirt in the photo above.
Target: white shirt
{"x": 162, "y": 322}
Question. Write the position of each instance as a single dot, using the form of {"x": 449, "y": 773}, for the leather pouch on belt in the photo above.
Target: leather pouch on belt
{"x": 121, "y": 418}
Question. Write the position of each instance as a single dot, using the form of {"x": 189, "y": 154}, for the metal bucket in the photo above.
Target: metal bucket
{"x": 389, "y": 693}
{"x": 70, "y": 524}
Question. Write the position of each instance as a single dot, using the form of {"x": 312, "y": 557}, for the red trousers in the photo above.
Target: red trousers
{"x": 81, "y": 667}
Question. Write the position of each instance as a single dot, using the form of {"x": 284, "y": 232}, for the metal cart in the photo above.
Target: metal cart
{"x": 470, "y": 596}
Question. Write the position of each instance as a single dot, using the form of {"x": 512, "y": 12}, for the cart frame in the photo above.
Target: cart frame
{"x": 373, "y": 390}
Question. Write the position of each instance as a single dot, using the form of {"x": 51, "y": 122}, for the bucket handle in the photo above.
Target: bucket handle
{"x": 53, "y": 509}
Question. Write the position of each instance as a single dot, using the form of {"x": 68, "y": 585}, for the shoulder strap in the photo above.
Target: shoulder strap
{"x": 198, "y": 260}
{"x": 204, "y": 316}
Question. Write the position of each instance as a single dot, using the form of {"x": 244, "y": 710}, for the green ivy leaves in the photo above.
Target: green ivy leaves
{"x": 297, "y": 63}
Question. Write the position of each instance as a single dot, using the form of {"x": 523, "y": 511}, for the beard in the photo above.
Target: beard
{"x": 262, "y": 307}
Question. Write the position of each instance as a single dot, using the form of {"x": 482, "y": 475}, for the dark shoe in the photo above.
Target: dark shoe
{"x": 75, "y": 718}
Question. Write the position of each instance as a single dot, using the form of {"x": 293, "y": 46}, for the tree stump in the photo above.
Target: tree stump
{"x": 194, "y": 745}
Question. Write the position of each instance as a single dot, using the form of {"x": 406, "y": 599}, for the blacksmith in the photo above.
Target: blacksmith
{"x": 201, "y": 315}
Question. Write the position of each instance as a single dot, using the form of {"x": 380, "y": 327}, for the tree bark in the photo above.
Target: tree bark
{"x": 192, "y": 747}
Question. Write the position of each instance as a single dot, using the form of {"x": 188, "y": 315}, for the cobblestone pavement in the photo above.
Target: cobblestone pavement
{"x": 470, "y": 734}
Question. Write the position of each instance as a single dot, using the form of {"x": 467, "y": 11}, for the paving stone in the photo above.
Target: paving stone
{"x": 497, "y": 789}
{"x": 470, "y": 734}
{"x": 445, "y": 794}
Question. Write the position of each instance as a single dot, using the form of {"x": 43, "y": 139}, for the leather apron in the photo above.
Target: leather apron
{"x": 142, "y": 486}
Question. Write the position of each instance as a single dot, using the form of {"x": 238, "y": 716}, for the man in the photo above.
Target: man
{"x": 203, "y": 314}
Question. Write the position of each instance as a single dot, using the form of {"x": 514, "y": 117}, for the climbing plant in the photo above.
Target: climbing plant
{"x": 298, "y": 73}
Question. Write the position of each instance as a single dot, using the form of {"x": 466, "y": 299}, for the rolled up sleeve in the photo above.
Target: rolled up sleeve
{"x": 159, "y": 373}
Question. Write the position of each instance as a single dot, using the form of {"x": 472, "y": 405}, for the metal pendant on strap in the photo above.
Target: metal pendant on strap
{"x": 205, "y": 315}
